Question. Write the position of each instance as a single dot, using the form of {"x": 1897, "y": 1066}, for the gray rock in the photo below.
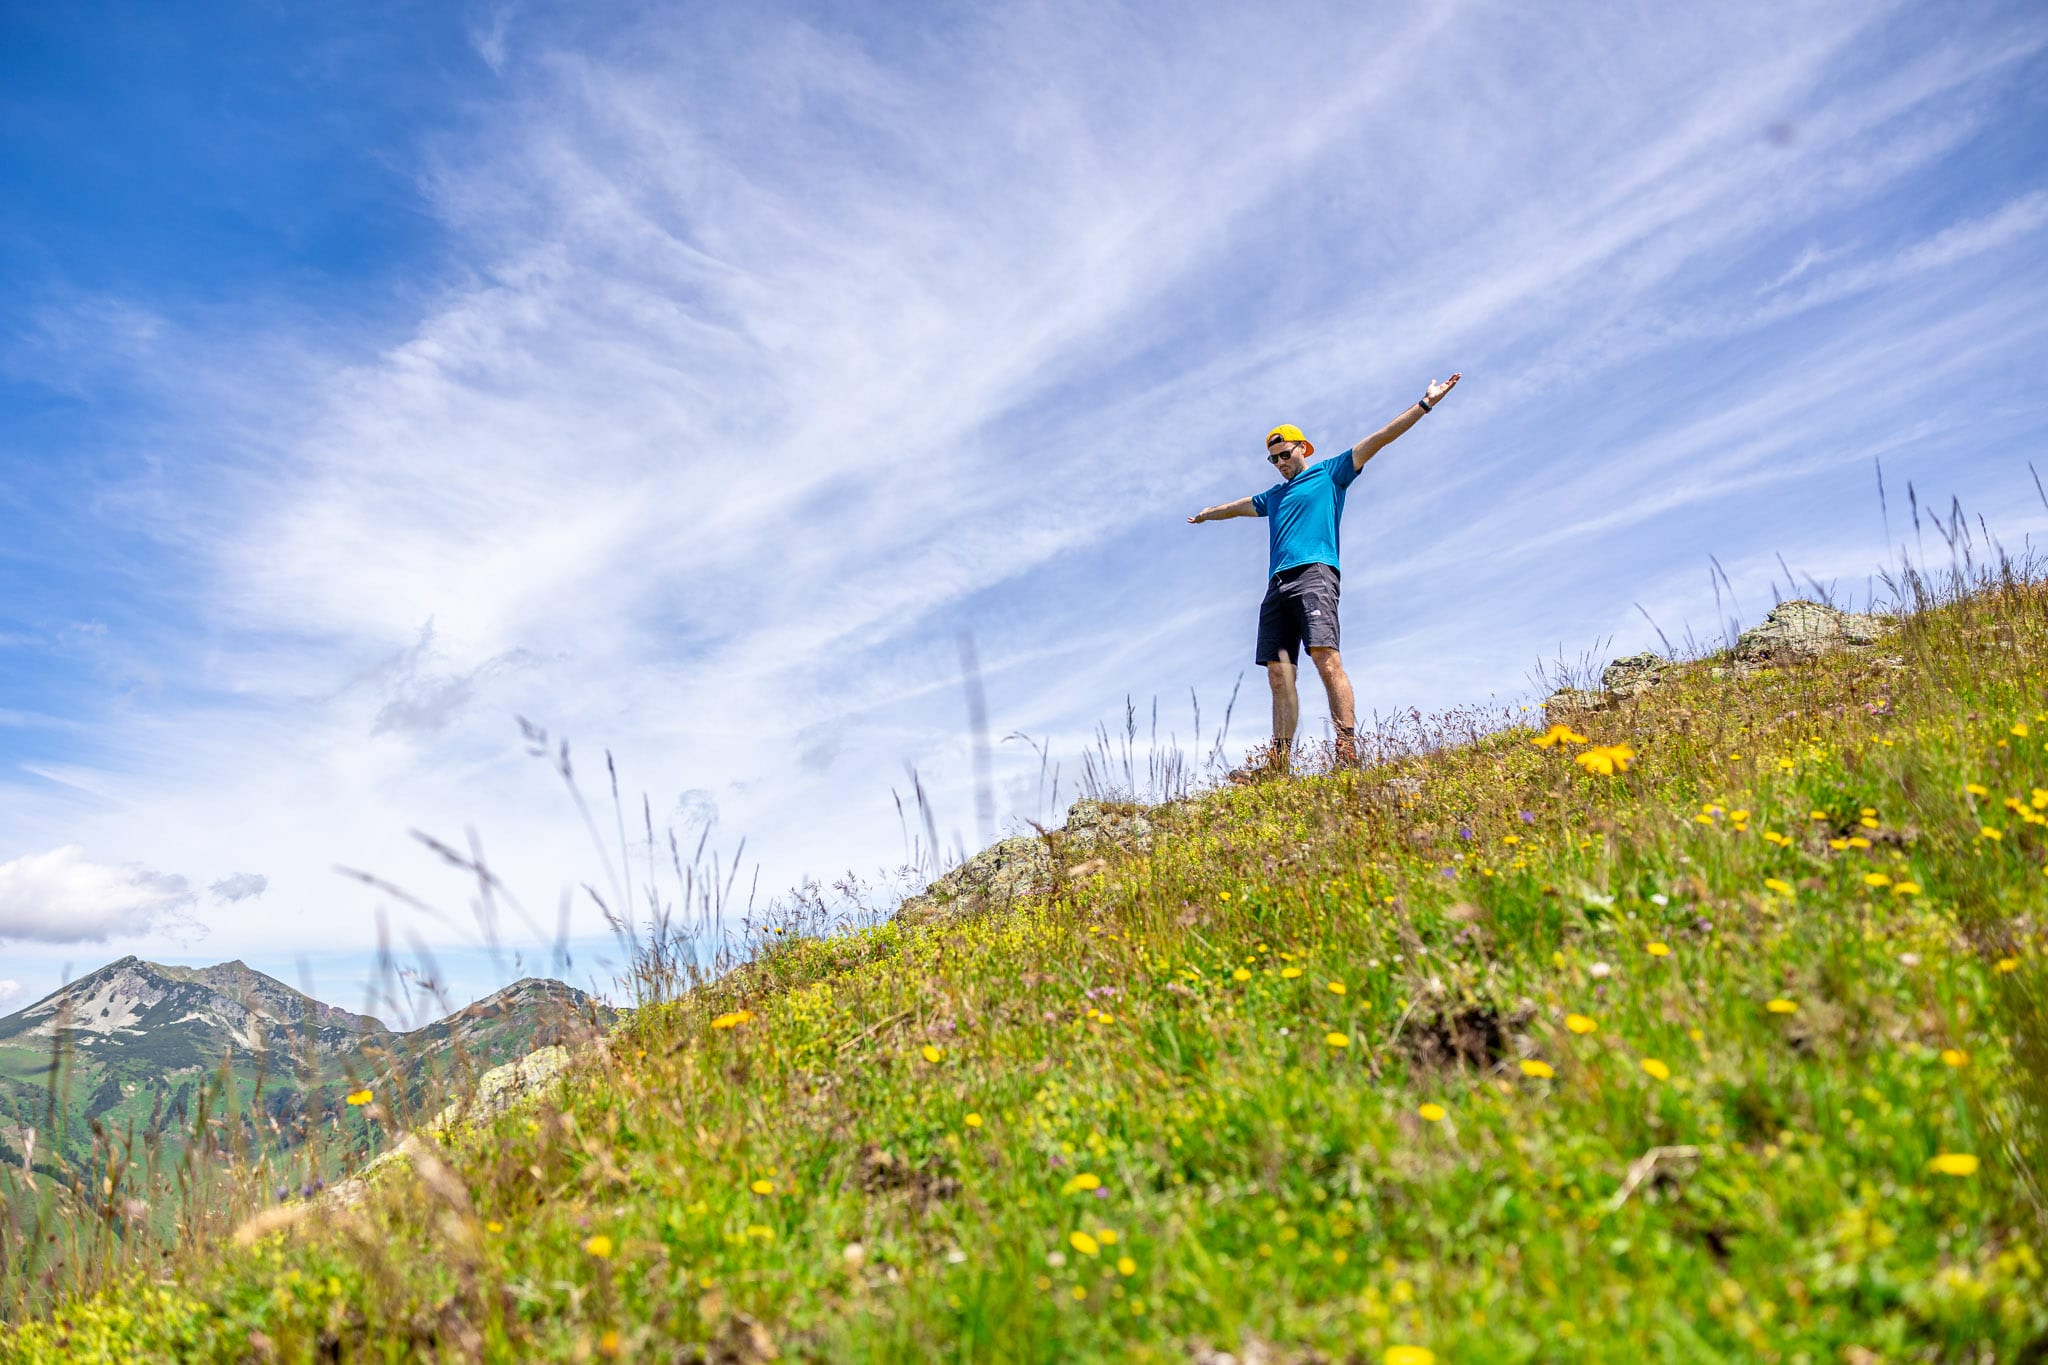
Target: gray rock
{"x": 1800, "y": 630}
{"x": 1634, "y": 675}
{"x": 1560, "y": 707}
{"x": 1024, "y": 864}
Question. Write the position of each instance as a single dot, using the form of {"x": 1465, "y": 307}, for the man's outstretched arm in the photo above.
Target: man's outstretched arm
{"x": 1373, "y": 444}
{"x": 1241, "y": 508}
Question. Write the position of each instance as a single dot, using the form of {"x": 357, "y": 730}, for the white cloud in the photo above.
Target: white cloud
{"x": 59, "y": 897}
{"x": 8, "y": 991}
{"x": 241, "y": 886}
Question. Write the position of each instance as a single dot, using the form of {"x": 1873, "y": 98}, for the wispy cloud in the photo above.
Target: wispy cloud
{"x": 60, "y": 897}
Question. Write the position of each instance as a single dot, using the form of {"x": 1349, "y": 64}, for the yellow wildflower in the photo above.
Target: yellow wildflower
{"x": 1082, "y": 1183}
{"x": 1290, "y": 972}
{"x": 1241, "y": 975}
{"x": 1408, "y": 1355}
{"x": 1781, "y": 1006}
{"x": 1656, "y": 1068}
{"x": 1336, "y": 988}
{"x": 2007, "y": 964}
{"x": 1988, "y": 832}
{"x": 1955, "y": 1056}
{"x": 1876, "y": 879}
{"x": 1557, "y": 734}
{"x": 1083, "y": 1243}
{"x": 1126, "y": 1266}
{"x": 1606, "y": 759}
{"x": 733, "y": 1020}
{"x": 1542, "y": 1071}
{"x": 930, "y": 1053}
{"x": 2020, "y": 728}
{"x": 1433, "y": 1112}
{"x": 762, "y": 1187}
{"x": 1976, "y": 789}
{"x": 1779, "y": 885}
{"x": 1336, "y": 1040}
{"x": 1858, "y": 841}
{"x": 358, "y": 1098}
{"x": 1580, "y": 1023}
{"x": 972, "y": 1120}
{"x": 1905, "y": 888}
{"x": 599, "y": 1246}
{"x": 1954, "y": 1163}
{"x": 1816, "y": 815}
{"x": 1657, "y": 949}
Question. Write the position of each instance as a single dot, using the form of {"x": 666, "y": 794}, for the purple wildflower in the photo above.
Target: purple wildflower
{"x": 1528, "y": 816}
{"x": 1464, "y": 832}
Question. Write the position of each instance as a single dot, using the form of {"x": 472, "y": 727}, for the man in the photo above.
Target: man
{"x": 1300, "y": 609}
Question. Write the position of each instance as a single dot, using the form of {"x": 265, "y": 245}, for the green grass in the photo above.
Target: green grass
{"x": 1119, "y": 1124}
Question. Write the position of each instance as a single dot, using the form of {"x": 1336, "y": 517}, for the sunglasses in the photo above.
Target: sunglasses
{"x": 1276, "y": 456}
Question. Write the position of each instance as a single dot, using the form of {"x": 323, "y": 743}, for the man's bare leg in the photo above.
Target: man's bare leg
{"x": 1286, "y": 709}
{"x": 1342, "y": 705}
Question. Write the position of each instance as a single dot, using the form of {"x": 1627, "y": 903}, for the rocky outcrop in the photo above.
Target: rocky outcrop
{"x": 1634, "y": 675}
{"x": 1799, "y": 630}
{"x": 1794, "y": 632}
{"x": 1029, "y": 863}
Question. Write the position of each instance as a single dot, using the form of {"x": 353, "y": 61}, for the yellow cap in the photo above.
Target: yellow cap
{"x": 1287, "y": 431}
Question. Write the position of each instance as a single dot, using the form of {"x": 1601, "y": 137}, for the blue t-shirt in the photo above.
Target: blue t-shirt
{"x": 1302, "y": 514}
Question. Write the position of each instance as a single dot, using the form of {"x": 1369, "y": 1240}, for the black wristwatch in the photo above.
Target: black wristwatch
{"x": 1423, "y": 403}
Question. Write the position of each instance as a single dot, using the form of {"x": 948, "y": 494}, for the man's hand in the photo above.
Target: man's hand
{"x": 1434, "y": 394}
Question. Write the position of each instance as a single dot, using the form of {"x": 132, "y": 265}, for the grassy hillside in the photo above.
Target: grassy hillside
{"x": 1715, "y": 1035}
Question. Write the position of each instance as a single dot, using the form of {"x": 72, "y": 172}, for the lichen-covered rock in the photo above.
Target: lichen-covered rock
{"x": 1561, "y": 706}
{"x": 1024, "y": 864}
{"x": 1634, "y": 675}
{"x": 1799, "y": 630}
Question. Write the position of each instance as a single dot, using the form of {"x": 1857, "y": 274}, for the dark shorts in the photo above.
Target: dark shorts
{"x": 1300, "y": 612}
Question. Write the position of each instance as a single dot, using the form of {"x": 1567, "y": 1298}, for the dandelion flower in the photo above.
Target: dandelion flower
{"x": 1955, "y": 1056}
{"x": 930, "y": 1053}
{"x": 1954, "y": 1163}
{"x": 1240, "y": 975}
{"x": 1657, "y": 949}
{"x": 1290, "y": 972}
{"x": 2020, "y": 729}
{"x": 1337, "y": 1039}
{"x": 1336, "y": 988}
{"x": 1905, "y": 888}
{"x": 1433, "y": 1112}
{"x": 1781, "y": 1006}
{"x": 972, "y": 1120}
{"x": 1779, "y": 885}
{"x": 1082, "y": 1183}
{"x": 1991, "y": 832}
{"x": 1876, "y": 879}
{"x": 1656, "y": 1068}
{"x": 1580, "y": 1023}
{"x": 2007, "y": 964}
{"x": 1126, "y": 1266}
{"x": 358, "y": 1098}
{"x": 1605, "y": 759}
{"x": 733, "y": 1020}
{"x": 1558, "y": 734}
{"x": 1976, "y": 789}
{"x": 1858, "y": 841}
{"x": 599, "y": 1246}
{"x": 1816, "y": 815}
{"x": 762, "y": 1187}
{"x": 1083, "y": 1243}
{"x": 1408, "y": 1355}
{"x": 1542, "y": 1071}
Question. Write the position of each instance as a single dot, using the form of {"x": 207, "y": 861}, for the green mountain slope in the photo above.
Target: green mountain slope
{"x": 142, "y": 1050}
{"x": 1703, "y": 1023}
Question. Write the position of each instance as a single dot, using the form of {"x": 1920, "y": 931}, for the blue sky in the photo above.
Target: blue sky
{"x": 687, "y": 379}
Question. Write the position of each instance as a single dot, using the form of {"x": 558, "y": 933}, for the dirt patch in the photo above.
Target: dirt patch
{"x": 1479, "y": 1036}
{"x": 882, "y": 1172}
